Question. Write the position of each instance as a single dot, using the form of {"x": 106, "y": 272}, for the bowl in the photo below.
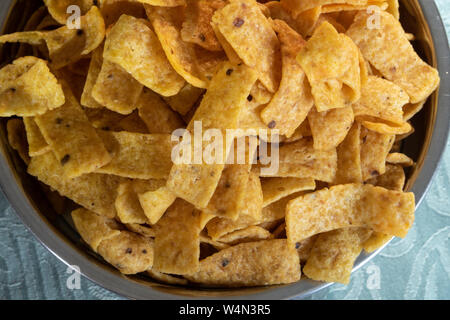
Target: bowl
{"x": 57, "y": 234}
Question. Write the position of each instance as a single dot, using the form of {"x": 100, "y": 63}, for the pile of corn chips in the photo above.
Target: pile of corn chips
{"x": 94, "y": 107}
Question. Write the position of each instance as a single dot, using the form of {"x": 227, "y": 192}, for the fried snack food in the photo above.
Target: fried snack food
{"x": 225, "y": 143}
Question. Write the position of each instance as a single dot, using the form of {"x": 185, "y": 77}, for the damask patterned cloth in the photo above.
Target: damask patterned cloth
{"x": 417, "y": 267}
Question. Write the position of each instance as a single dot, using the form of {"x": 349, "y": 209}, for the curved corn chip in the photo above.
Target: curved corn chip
{"x": 334, "y": 253}
{"x": 400, "y": 158}
{"x": 349, "y": 158}
{"x": 250, "y": 264}
{"x": 181, "y": 55}
{"x": 127, "y": 204}
{"x": 374, "y": 150}
{"x": 242, "y": 19}
{"x": 381, "y": 99}
{"x": 72, "y": 138}
{"x": 334, "y": 74}
{"x": 389, "y": 51}
{"x": 128, "y": 252}
{"x": 28, "y": 88}
{"x": 291, "y": 103}
{"x": 96, "y": 192}
{"x": 350, "y": 205}
{"x": 36, "y": 142}
{"x": 137, "y": 155}
{"x": 385, "y": 128}
{"x": 177, "y": 239}
{"x": 66, "y": 46}
{"x": 132, "y": 45}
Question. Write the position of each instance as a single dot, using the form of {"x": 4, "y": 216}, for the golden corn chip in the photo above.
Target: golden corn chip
{"x": 137, "y": 155}
{"x": 374, "y": 150}
{"x": 116, "y": 89}
{"x": 304, "y": 248}
{"x": 185, "y": 99}
{"x": 133, "y": 123}
{"x": 36, "y": 142}
{"x": 128, "y": 252}
{"x": 329, "y": 128}
{"x": 96, "y": 192}
{"x": 219, "y": 109}
{"x": 411, "y": 109}
{"x": 388, "y": 128}
{"x": 275, "y": 189}
{"x": 250, "y": 234}
{"x": 350, "y": 205}
{"x": 300, "y": 160}
{"x": 250, "y": 264}
{"x": 349, "y": 158}
{"x": 333, "y": 255}
{"x": 334, "y": 74}
{"x": 66, "y": 45}
{"x": 154, "y": 198}
{"x": 143, "y": 230}
{"x": 127, "y": 204}
{"x": 28, "y": 88}
{"x": 389, "y": 51}
{"x": 242, "y": 19}
{"x": 157, "y": 115}
{"x": 177, "y": 240}
{"x": 132, "y": 45}
{"x": 17, "y": 138}
{"x": 95, "y": 67}
{"x": 381, "y": 99}
{"x": 399, "y": 158}
{"x": 181, "y": 55}
{"x": 166, "y": 278}
{"x": 197, "y": 23}
{"x": 94, "y": 228}
{"x": 292, "y": 102}
{"x": 58, "y": 8}
{"x": 72, "y": 138}
{"x": 112, "y": 10}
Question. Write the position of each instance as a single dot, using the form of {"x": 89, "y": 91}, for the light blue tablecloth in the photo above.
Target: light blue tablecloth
{"x": 417, "y": 267}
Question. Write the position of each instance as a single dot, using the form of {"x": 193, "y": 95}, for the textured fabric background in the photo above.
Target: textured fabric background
{"x": 417, "y": 267}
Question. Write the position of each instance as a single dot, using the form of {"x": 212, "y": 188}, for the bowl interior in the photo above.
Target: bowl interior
{"x": 416, "y": 146}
